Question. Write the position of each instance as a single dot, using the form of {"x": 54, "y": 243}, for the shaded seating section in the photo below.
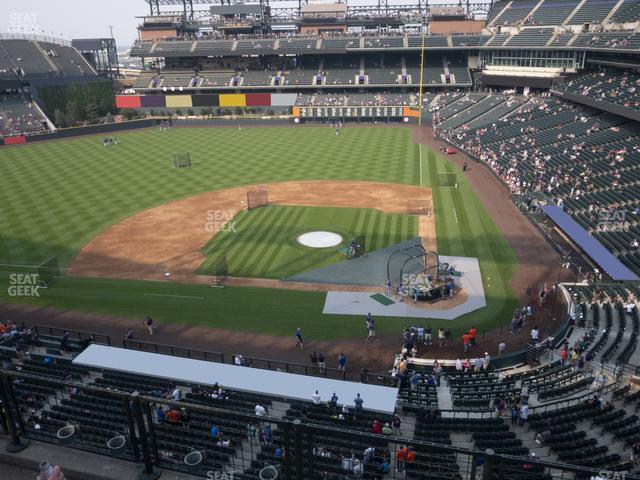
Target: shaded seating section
{"x": 33, "y": 59}
{"x": 25, "y": 57}
{"x": 575, "y": 445}
{"x": 584, "y": 159}
{"x": 68, "y": 59}
{"x": 477, "y": 390}
{"x": 254, "y": 46}
{"x": 296, "y": 45}
{"x": 620, "y": 88}
{"x": 562, "y": 39}
{"x": 629, "y": 11}
{"x": 515, "y": 12}
{"x": 497, "y": 40}
{"x": 551, "y": 12}
{"x": 177, "y": 47}
{"x": 478, "y": 109}
{"x": 430, "y": 41}
{"x": 211, "y": 47}
{"x": 19, "y": 116}
{"x": 468, "y": 40}
{"x": 382, "y": 42}
{"x": 531, "y": 37}
{"x": 593, "y": 11}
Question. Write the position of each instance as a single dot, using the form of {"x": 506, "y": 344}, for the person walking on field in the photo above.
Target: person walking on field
{"x": 371, "y": 328}
{"x": 299, "y": 341}
{"x": 342, "y": 362}
{"x": 149, "y": 324}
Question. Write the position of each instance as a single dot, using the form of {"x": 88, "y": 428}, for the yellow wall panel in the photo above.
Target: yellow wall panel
{"x": 233, "y": 100}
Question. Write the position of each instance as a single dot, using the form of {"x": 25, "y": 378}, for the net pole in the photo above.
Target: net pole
{"x": 420, "y": 103}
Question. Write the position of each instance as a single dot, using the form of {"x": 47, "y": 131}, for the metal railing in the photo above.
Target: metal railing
{"x": 125, "y": 427}
{"x": 173, "y": 350}
{"x": 262, "y": 363}
{"x": 77, "y": 335}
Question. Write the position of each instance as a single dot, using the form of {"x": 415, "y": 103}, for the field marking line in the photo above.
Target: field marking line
{"x": 27, "y": 266}
{"x": 455, "y": 215}
{"x": 168, "y": 295}
{"x": 420, "y": 150}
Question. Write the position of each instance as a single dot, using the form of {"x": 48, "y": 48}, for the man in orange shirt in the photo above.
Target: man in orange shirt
{"x": 473, "y": 332}
{"x": 411, "y": 455}
{"x": 401, "y": 456}
{"x": 466, "y": 341}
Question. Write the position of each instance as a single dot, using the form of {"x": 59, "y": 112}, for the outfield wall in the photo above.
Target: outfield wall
{"x": 222, "y": 100}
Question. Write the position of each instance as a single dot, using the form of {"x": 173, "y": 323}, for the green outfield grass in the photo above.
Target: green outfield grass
{"x": 56, "y": 196}
{"x": 262, "y": 242}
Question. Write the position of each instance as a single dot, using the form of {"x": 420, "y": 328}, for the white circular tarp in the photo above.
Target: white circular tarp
{"x": 320, "y": 239}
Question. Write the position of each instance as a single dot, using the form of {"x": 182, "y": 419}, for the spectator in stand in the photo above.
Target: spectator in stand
{"x": 437, "y": 371}
{"x": 386, "y": 430}
{"x": 376, "y": 428}
{"x": 260, "y": 411}
{"x": 316, "y": 398}
{"x": 501, "y": 347}
{"x": 358, "y": 403}
{"x": 50, "y": 472}
{"x": 173, "y": 416}
{"x": 401, "y": 457}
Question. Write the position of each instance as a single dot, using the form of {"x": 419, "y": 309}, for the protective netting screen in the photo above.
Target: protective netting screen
{"x": 257, "y": 198}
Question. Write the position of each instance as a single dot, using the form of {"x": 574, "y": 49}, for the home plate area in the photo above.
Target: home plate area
{"x": 469, "y": 297}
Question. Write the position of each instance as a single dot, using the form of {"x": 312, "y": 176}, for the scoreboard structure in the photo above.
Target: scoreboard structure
{"x": 355, "y": 112}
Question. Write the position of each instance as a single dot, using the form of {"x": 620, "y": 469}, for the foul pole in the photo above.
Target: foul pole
{"x": 420, "y": 102}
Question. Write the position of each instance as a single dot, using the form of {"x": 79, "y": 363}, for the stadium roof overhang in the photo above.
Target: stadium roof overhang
{"x": 589, "y": 245}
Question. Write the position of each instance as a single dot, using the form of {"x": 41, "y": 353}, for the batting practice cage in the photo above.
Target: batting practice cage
{"x": 257, "y": 198}
{"x": 48, "y": 271}
{"x": 419, "y": 206}
{"x": 182, "y": 160}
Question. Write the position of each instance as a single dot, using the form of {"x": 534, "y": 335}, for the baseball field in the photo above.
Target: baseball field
{"x": 57, "y": 198}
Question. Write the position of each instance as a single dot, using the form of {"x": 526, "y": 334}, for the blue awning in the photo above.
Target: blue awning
{"x": 592, "y": 247}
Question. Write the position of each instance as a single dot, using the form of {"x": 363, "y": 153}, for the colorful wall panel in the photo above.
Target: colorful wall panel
{"x": 153, "y": 101}
{"x": 205, "y": 100}
{"x": 128, "y": 101}
{"x": 258, "y": 99}
{"x": 15, "y": 140}
{"x": 233, "y": 100}
{"x": 176, "y": 101}
{"x": 283, "y": 99}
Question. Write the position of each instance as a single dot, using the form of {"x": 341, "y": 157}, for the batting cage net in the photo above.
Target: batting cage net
{"x": 403, "y": 264}
{"x": 48, "y": 271}
{"x": 257, "y": 198}
{"x": 447, "y": 179}
{"x": 182, "y": 160}
{"x": 419, "y": 206}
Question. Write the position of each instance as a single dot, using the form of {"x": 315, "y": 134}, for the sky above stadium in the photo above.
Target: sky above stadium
{"x": 70, "y": 19}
